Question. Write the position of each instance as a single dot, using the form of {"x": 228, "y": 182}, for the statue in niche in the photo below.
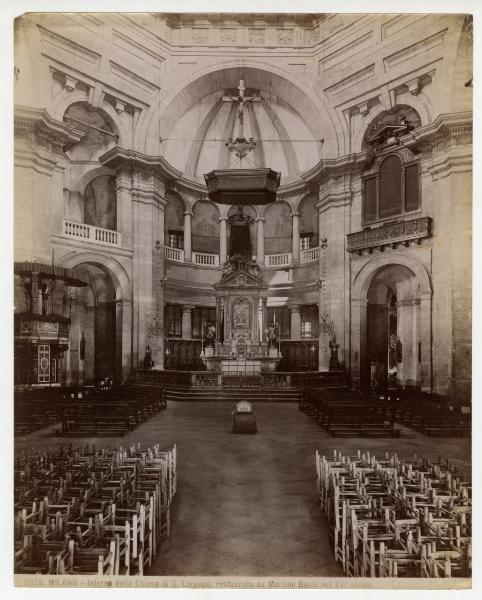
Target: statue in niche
{"x": 45, "y": 290}
{"x": 210, "y": 336}
{"x": 148, "y": 362}
{"x": 240, "y": 239}
{"x": 27, "y": 290}
{"x": 271, "y": 335}
{"x": 82, "y": 347}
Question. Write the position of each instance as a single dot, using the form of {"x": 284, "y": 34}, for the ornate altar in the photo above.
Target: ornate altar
{"x": 241, "y": 343}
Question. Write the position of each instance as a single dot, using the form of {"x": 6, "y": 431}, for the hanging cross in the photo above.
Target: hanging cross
{"x": 241, "y": 99}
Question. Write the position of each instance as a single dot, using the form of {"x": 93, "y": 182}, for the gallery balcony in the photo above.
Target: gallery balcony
{"x": 271, "y": 261}
{"x": 390, "y": 235}
{"x": 91, "y": 234}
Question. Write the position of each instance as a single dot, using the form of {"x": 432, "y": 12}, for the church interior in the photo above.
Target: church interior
{"x": 242, "y": 325}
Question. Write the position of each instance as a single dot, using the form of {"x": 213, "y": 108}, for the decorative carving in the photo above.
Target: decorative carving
{"x": 256, "y": 36}
{"x": 200, "y": 36}
{"x": 414, "y": 86}
{"x": 241, "y": 313}
{"x": 390, "y": 234}
{"x": 326, "y": 327}
{"x": 119, "y": 107}
{"x": 374, "y": 157}
{"x": 47, "y": 327}
{"x": 229, "y": 36}
{"x": 154, "y": 327}
{"x": 285, "y": 37}
{"x": 70, "y": 83}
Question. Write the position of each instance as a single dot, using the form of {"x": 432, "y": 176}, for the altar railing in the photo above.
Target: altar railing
{"x": 214, "y": 379}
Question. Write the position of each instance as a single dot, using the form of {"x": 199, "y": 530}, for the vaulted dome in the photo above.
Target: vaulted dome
{"x": 286, "y": 142}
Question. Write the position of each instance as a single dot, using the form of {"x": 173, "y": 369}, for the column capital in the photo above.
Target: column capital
{"x": 187, "y": 307}
{"x": 262, "y": 219}
{"x": 295, "y": 213}
{"x": 294, "y": 306}
{"x": 223, "y": 218}
{"x": 188, "y": 212}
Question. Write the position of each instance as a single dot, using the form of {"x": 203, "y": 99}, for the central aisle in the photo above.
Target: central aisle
{"x": 246, "y": 504}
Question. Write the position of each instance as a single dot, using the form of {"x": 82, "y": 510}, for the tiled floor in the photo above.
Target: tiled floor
{"x": 247, "y": 504}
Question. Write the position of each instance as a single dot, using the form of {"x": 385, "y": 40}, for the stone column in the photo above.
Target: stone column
{"x": 296, "y": 237}
{"x": 89, "y": 334}
{"x": 259, "y": 316}
{"x": 295, "y": 332}
{"x": 123, "y": 340}
{"x": 426, "y": 342}
{"x": 358, "y": 339}
{"x": 187, "y": 236}
{"x": 223, "y": 241}
{"x": 148, "y": 266}
{"x": 76, "y": 369}
{"x": 36, "y": 295}
{"x": 260, "y": 241}
{"x": 405, "y": 333}
{"x": 124, "y": 206}
{"x": 264, "y": 316}
{"x": 186, "y": 327}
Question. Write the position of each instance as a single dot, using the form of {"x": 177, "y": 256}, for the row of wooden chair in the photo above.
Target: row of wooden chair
{"x": 113, "y": 412}
{"x": 93, "y": 511}
{"x": 393, "y": 518}
{"x": 428, "y": 413}
{"x": 343, "y": 412}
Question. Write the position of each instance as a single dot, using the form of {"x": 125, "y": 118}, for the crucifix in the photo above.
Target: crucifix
{"x": 241, "y": 146}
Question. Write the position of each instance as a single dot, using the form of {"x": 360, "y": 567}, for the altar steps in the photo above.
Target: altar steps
{"x": 213, "y": 394}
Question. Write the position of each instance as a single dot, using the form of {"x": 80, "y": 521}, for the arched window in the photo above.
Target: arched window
{"x": 391, "y": 188}
{"x": 100, "y": 202}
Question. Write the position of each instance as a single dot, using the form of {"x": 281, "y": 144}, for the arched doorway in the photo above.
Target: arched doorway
{"x": 391, "y": 325}
{"x": 101, "y": 335}
{"x": 93, "y": 328}
{"x": 393, "y": 328}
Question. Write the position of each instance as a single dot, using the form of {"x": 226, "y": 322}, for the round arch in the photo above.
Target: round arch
{"x": 420, "y": 104}
{"x": 106, "y": 110}
{"x": 120, "y": 278}
{"x": 407, "y": 276}
{"x": 364, "y": 277}
{"x": 205, "y": 232}
{"x": 308, "y": 103}
{"x": 91, "y": 175}
{"x": 278, "y": 227}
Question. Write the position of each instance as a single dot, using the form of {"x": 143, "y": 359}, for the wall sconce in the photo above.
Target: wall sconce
{"x": 313, "y": 348}
{"x": 157, "y": 245}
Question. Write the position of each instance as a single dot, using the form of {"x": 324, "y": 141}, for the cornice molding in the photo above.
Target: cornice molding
{"x": 121, "y": 158}
{"x": 36, "y": 126}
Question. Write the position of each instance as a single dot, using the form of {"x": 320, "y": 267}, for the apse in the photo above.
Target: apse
{"x": 282, "y": 121}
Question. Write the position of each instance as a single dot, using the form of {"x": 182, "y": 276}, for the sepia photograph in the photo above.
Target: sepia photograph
{"x": 241, "y": 297}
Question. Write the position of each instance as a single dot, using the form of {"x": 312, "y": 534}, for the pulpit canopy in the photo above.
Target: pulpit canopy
{"x": 242, "y": 186}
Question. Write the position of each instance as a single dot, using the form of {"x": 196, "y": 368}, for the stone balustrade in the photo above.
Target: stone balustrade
{"x": 91, "y": 233}
{"x": 278, "y": 260}
{"x": 309, "y": 255}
